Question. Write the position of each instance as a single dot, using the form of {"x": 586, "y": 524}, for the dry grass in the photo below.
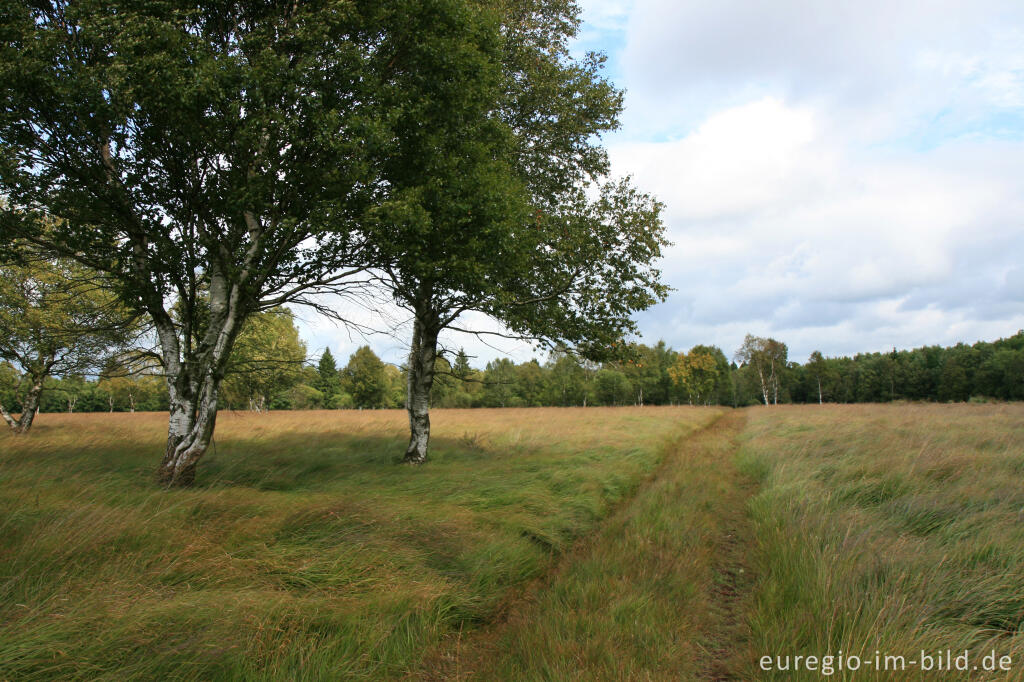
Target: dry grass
{"x": 306, "y": 550}
{"x": 655, "y": 595}
{"x": 889, "y": 528}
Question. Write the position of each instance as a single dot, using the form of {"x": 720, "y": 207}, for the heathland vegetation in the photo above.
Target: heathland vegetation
{"x": 305, "y": 552}
{"x": 177, "y": 178}
{"x": 625, "y": 543}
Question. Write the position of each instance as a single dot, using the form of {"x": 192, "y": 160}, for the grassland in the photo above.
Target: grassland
{"x": 653, "y": 596}
{"x": 890, "y": 528}
{"x": 306, "y": 550}
{"x": 607, "y": 544}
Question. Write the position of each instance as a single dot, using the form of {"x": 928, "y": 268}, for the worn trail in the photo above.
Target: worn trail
{"x": 658, "y": 592}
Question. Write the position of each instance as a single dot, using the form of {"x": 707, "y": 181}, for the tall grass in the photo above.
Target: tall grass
{"x": 896, "y": 529}
{"x": 308, "y": 552}
{"x": 305, "y": 551}
{"x": 649, "y": 598}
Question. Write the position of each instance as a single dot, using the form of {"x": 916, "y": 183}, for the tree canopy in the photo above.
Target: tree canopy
{"x": 496, "y": 198}
{"x": 213, "y": 156}
{"x": 216, "y": 162}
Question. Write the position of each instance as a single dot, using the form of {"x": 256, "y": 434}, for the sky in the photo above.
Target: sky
{"x": 842, "y": 176}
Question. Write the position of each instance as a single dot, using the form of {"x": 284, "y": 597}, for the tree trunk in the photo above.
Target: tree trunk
{"x": 11, "y": 421}
{"x": 773, "y": 382}
{"x": 189, "y": 431}
{"x": 29, "y": 409}
{"x": 421, "y": 379}
{"x": 764, "y": 385}
{"x": 820, "y": 401}
{"x": 194, "y": 378}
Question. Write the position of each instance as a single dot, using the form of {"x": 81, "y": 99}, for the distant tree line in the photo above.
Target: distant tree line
{"x": 269, "y": 371}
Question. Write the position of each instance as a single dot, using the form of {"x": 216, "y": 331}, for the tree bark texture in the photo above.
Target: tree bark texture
{"x": 193, "y": 381}
{"x": 29, "y": 409}
{"x": 189, "y": 430}
{"x": 421, "y": 379}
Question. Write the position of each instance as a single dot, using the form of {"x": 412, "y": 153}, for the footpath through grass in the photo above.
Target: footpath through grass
{"x": 306, "y": 551}
{"x": 657, "y": 594}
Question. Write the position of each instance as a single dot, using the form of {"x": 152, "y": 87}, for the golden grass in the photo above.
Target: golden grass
{"x": 888, "y": 528}
{"x": 306, "y": 550}
{"x": 656, "y": 594}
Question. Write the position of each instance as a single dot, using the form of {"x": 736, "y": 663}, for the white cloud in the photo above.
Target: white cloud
{"x": 780, "y": 228}
{"x": 885, "y": 62}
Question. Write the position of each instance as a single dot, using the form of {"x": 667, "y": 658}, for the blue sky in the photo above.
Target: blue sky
{"x": 843, "y": 176}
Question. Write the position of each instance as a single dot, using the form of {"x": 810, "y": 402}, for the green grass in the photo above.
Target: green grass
{"x": 306, "y": 551}
{"x": 887, "y": 528}
{"x": 655, "y": 595}
{"x": 538, "y": 544}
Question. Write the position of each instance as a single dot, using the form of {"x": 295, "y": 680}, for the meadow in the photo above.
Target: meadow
{"x": 543, "y": 543}
{"x": 889, "y": 528}
{"x": 306, "y": 550}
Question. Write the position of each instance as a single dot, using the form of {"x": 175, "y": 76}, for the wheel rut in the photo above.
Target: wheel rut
{"x": 658, "y": 591}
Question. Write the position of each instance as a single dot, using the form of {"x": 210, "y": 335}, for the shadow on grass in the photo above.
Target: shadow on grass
{"x": 287, "y": 462}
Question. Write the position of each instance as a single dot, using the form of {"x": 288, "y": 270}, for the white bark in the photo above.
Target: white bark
{"x": 764, "y": 385}
{"x": 193, "y": 383}
{"x": 422, "y": 355}
{"x": 29, "y": 409}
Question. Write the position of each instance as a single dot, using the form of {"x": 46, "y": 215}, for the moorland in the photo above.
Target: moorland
{"x": 544, "y": 543}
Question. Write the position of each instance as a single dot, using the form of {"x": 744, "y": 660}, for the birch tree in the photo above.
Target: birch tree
{"x": 696, "y": 373}
{"x": 209, "y": 157}
{"x": 497, "y": 178}
{"x": 817, "y": 367}
{"x": 55, "y": 319}
{"x": 767, "y": 357}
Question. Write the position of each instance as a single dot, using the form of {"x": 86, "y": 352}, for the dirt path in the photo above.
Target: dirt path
{"x": 726, "y": 629}
{"x": 657, "y": 593}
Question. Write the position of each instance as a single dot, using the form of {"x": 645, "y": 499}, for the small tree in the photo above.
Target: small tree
{"x": 767, "y": 357}
{"x": 499, "y": 378}
{"x": 644, "y": 374}
{"x": 567, "y": 380}
{"x": 817, "y": 369}
{"x": 696, "y": 373}
{"x": 328, "y": 381}
{"x": 365, "y": 380}
{"x": 613, "y": 388}
{"x": 55, "y": 318}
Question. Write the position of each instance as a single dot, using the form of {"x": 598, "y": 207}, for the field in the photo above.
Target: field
{"x": 598, "y": 543}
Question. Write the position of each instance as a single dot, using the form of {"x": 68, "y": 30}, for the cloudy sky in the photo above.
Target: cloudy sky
{"x": 843, "y": 176}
